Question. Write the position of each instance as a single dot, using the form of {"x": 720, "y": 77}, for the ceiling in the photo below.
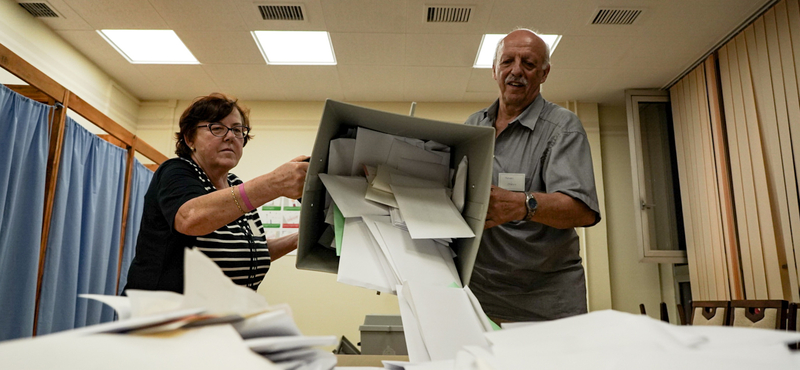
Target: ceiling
{"x": 387, "y": 51}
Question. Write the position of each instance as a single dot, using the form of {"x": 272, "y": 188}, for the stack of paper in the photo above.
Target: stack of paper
{"x": 214, "y": 324}
{"x": 622, "y": 341}
{"x": 393, "y": 214}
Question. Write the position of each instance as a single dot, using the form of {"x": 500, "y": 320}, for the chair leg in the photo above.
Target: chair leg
{"x": 641, "y": 309}
{"x": 664, "y": 313}
{"x": 681, "y": 314}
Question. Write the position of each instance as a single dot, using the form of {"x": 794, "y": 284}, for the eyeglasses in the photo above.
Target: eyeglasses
{"x": 219, "y": 130}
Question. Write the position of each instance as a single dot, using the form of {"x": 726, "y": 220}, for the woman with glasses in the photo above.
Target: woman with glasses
{"x": 193, "y": 201}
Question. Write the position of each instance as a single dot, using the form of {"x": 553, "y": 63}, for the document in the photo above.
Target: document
{"x": 348, "y": 194}
{"x": 359, "y": 263}
{"x": 419, "y": 260}
{"x": 372, "y": 149}
{"x": 460, "y": 185}
{"x": 340, "y": 156}
{"x": 429, "y": 213}
{"x": 446, "y": 319}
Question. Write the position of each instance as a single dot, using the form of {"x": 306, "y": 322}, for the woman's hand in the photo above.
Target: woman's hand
{"x": 291, "y": 177}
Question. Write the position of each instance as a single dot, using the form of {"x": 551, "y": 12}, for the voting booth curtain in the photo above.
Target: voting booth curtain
{"x": 83, "y": 246}
{"x": 23, "y": 162}
{"x": 140, "y": 181}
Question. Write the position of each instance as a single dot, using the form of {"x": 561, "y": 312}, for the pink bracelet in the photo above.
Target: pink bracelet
{"x": 245, "y": 199}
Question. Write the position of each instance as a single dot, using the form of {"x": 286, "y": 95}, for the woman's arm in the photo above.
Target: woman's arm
{"x": 206, "y": 213}
{"x": 278, "y": 247}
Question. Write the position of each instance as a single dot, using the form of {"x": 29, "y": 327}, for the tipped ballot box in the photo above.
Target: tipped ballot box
{"x": 473, "y": 142}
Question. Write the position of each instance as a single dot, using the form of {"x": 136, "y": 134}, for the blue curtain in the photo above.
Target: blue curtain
{"x": 24, "y": 141}
{"x": 83, "y": 245}
{"x": 140, "y": 181}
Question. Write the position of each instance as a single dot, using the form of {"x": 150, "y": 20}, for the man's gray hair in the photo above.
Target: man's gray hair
{"x": 502, "y": 41}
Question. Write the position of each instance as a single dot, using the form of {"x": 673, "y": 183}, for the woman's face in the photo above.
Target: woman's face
{"x": 214, "y": 153}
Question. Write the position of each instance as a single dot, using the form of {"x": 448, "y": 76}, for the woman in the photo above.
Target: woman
{"x": 193, "y": 201}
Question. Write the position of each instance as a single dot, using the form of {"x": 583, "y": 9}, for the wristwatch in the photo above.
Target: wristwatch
{"x": 531, "y": 205}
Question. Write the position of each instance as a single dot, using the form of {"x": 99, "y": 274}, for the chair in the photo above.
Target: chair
{"x": 664, "y": 313}
{"x": 791, "y": 320}
{"x": 710, "y": 313}
{"x": 766, "y": 314}
{"x": 681, "y": 314}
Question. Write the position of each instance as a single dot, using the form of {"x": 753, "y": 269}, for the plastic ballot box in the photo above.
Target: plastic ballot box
{"x": 475, "y": 143}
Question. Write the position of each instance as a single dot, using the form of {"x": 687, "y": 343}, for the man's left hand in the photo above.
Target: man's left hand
{"x": 504, "y": 206}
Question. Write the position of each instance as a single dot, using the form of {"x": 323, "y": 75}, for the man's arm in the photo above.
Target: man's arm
{"x": 556, "y": 210}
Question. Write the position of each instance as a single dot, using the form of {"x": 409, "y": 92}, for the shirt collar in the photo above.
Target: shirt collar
{"x": 527, "y": 118}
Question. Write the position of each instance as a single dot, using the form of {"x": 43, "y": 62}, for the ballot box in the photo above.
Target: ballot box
{"x": 383, "y": 335}
{"x": 476, "y": 143}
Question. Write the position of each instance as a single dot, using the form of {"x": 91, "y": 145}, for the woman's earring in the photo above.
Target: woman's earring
{"x": 194, "y": 149}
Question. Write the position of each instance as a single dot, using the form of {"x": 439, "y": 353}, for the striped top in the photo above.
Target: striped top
{"x": 238, "y": 248}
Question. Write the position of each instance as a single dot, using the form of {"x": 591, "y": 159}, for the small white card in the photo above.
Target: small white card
{"x": 511, "y": 181}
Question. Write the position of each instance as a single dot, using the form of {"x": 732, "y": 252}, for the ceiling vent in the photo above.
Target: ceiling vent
{"x": 39, "y": 9}
{"x": 282, "y": 12}
{"x": 449, "y": 14}
{"x": 616, "y": 16}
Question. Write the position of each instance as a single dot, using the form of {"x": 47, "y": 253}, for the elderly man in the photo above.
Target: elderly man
{"x": 528, "y": 267}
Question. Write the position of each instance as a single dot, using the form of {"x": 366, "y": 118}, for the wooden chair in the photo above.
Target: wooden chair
{"x": 681, "y": 314}
{"x": 791, "y": 321}
{"x": 664, "y": 313}
{"x": 710, "y": 313}
{"x": 766, "y": 314}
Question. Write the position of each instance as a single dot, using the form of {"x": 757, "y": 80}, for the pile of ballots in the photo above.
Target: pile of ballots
{"x": 215, "y": 324}
{"x": 394, "y": 207}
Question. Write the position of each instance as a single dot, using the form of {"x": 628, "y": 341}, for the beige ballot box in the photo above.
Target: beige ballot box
{"x": 476, "y": 143}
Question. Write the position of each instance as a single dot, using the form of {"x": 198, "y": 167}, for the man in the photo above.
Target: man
{"x": 528, "y": 266}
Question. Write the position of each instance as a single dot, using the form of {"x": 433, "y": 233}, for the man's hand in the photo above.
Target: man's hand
{"x": 504, "y": 206}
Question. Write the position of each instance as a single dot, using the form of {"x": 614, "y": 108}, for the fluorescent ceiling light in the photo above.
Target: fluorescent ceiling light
{"x": 295, "y": 47}
{"x": 149, "y": 46}
{"x": 489, "y": 46}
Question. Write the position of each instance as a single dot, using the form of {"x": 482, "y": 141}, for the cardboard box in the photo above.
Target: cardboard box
{"x": 476, "y": 143}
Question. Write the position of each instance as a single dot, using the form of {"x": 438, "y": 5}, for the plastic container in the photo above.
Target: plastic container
{"x": 383, "y": 335}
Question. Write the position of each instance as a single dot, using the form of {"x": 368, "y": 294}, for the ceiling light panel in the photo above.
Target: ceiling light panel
{"x": 149, "y": 46}
{"x": 296, "y": 47}
{"x": 489, "y": 42}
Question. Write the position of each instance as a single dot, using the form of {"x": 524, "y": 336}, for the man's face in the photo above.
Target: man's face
{"x": 519, "y": 69}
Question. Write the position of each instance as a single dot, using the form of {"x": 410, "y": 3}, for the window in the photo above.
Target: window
{"x": 657, "y": 202}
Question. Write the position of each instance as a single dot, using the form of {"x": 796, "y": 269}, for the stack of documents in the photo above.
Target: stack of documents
{"x": 394, "y": 210}
{"x": 215, "y": 324}
{"x": 622, "y": 341}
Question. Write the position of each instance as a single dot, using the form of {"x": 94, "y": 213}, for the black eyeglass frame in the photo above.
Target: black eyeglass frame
{"x": 245, "y": 130}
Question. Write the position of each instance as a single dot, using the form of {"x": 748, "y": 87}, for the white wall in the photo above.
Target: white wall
{"x": 38, "y": 45}
{"x": 632, "y": 282}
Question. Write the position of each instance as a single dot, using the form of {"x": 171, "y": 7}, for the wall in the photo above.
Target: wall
{"x": 632, "y": 282}
{"x": 41, "y": 47}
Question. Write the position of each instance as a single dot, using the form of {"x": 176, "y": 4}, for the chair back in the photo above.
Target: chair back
{"x": 710, "y": 313}
{"x": 765, "y": 314}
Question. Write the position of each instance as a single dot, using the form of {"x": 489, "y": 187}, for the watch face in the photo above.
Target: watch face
{"x": 532, "y": 202}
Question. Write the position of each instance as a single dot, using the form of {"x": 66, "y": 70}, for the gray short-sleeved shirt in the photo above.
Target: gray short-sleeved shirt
{"x": 527, "y": 271}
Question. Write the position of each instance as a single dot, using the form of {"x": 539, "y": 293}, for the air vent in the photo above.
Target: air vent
{"x": 616, "y": 16}
{"x": 39, "y": 10}
{"x": 281, "y": 12}
{"x": 448, "y": 14}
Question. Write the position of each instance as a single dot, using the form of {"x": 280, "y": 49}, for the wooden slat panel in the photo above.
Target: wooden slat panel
{"x": 790, "y": 52}
{"x": 785, "y": 207}
{"x": 690, "y": 128}
{"x": 705, "y": 249}
{"x": 28, "y": 73}
{"x": 678, "y": 114}
{"x": 726, "y": 210}
{"x": 152, "y": 167}
{"x": 768, "y": 240}
{"x": 712, "y": 198}
{"x": 727, "y": 59}
{"x": 53, "y": 164}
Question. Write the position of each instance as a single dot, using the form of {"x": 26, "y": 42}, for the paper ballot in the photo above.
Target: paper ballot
{"x": 348, "y": 194}
{"x": 359, "y": 263}
{"x": 430, "y": 214}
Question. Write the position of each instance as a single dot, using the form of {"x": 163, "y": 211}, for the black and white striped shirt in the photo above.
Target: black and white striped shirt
{"x": 239, "y": 248}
